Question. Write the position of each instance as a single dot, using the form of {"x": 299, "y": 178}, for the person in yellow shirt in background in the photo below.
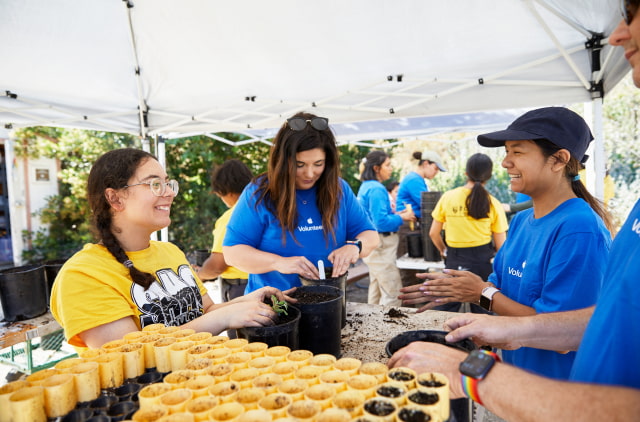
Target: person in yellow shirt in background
{"x": 609, "y": 186}
{"x": 227, "y": 182}
{"x": 474, "y": 222}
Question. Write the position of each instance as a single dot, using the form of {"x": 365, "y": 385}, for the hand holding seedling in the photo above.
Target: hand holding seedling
{"x": 279, "y": 306}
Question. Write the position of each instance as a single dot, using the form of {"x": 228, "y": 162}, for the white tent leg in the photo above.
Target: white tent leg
{"x": 146, "y": 146}
{"x": 596, "y": 165}
{"x": 161, "y": 154}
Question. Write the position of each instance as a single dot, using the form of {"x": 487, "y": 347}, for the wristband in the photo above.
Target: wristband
{"x": 356, "y": 242}
{"x": 470, "y": 383}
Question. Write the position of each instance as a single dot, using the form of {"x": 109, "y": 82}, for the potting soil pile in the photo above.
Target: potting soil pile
{"x": 168, "y": 373}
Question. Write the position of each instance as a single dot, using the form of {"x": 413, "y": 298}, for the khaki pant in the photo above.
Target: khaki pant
{"x": 384, "y": 277}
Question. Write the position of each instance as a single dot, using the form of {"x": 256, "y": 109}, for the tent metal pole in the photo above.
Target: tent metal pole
{"x": 161, "y": 153}
{"x": 142, "y": 106}
{"x": 596, "y": 165}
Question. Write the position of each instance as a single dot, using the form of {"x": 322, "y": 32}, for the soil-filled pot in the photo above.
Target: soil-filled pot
{"x": 459, "y": 407}
{"x": 285, "y": 333}
{"x": 414, "y": 244}
{"x": 23, "y": 292}
{"x": 339, "y": 282}
{"x": 320, "y": 323}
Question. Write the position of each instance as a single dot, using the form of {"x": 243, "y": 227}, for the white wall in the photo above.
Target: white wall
{"x": 23, "y": 180}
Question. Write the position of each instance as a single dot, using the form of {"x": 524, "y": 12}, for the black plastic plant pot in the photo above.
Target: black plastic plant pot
{"x": 283, "y": 334}
{"x": 23, "y": 292}
{"x": 414, "y": 245}
{"x": 102, "y": 404}
{"x": 431, "y": 336}
{"x": 320, "y": 323}
{"x": 122, "y": 410}
{"x": 149, "y": 377}
{"x": 339, "y": 282}
{"x": 51, "y": 269}
{"x": 78, "y": 415}
{"x": 201, "y": 255}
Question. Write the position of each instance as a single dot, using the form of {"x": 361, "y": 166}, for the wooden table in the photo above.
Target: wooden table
{"x": 369, "y": 328}
{"x": 17, "y": 338}
{"x": 407, "y": 263}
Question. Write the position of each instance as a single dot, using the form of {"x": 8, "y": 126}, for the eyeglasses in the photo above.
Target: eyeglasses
{"x": 300, "y": 123}
{"x": 158, "y": 186}
{"x": 628, "y": 8}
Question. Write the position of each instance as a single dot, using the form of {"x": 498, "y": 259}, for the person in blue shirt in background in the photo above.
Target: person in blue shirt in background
{"x": 413, "y": 184}
{"x": 299, "y": 212}
{"x": 384, "y": 277}
{"x": 604, "y": 383}
{"x": 410, "y": 195}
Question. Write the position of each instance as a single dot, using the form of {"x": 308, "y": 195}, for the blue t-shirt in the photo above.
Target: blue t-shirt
{"x": 374, "y": 199}
{"x": 410, "y": 192}
{"x": 256, "y": 226}
{"x": 553, "y": 263}
{"x": 608, "y": 353}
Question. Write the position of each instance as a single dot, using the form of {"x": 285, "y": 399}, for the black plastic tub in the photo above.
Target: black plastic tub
{"x": 23, "y": 292}
{"x": 430, "y": 336}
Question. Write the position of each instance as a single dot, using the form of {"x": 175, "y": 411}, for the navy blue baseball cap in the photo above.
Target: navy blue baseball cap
{"x": 560, "y": 126}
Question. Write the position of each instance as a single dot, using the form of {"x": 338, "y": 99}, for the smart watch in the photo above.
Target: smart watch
{"x": 357, "y": 243}
{"x": 474, "y": 369}
{"x": 486, "y": 298}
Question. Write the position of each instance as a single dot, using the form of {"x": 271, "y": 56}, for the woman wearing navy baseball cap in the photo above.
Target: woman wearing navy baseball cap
{"x": 555, "y": 253}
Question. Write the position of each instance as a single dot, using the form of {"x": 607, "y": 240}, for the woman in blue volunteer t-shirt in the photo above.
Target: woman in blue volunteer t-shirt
{"x": 299, "y": 212}
{"x": 555, "y": 254}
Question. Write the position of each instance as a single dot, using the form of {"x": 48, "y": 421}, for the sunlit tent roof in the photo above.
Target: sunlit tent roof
{"x": 170, "y": 67}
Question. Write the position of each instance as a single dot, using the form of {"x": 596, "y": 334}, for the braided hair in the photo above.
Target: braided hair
{"x": 113, "y": 170}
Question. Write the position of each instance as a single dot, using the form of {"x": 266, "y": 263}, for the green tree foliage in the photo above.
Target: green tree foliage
{"x": 191, "y": 161}
{"x": 66, "y": 214}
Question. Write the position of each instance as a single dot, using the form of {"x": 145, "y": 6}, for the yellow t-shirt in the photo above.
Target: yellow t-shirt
{"x": 219, "y": 231}
{"x": 463, "y": 231}
{"x": 93, "y": 289}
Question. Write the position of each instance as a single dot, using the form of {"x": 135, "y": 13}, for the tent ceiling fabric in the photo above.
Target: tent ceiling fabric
{"x": 196, "y": 66}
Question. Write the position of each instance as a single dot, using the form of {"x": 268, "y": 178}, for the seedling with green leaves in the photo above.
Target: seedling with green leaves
{"x": 280, "y": 306}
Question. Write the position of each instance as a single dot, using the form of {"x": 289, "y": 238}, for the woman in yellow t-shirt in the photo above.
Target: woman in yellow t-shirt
{"x": 127, "y": 281}
{"x": 474, "y": 223}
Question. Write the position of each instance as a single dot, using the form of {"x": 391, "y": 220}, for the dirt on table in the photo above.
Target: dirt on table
{"x": 395, "y": 313}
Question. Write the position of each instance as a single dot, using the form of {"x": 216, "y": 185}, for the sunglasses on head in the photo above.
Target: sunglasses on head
{"x": 629, "y": 8}
{"x": 300, "y": 123}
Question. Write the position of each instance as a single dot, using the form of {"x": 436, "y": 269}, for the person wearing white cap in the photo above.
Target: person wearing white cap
{"x": 413, "y": 184}
{"x": 410, "y": 191}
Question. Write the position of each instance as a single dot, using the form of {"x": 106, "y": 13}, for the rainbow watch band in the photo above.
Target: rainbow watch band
{"x": 470, "y": 385}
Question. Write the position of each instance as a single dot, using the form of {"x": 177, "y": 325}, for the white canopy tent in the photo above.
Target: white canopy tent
{"x": 172, "y": 68}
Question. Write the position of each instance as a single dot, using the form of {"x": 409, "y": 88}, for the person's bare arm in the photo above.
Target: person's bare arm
{"x": 435, "y": 233}
{"x": 560, "y": 331}
{"x": 255, "y": 261}
{"x": 498, "y": 239}
{"x": 97, "y": 336}
{"x": 458, "y": 286}
{"x": 212, "y": 267}
{"x": 517, "y": 395}
{"x": 370, "y": 240}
